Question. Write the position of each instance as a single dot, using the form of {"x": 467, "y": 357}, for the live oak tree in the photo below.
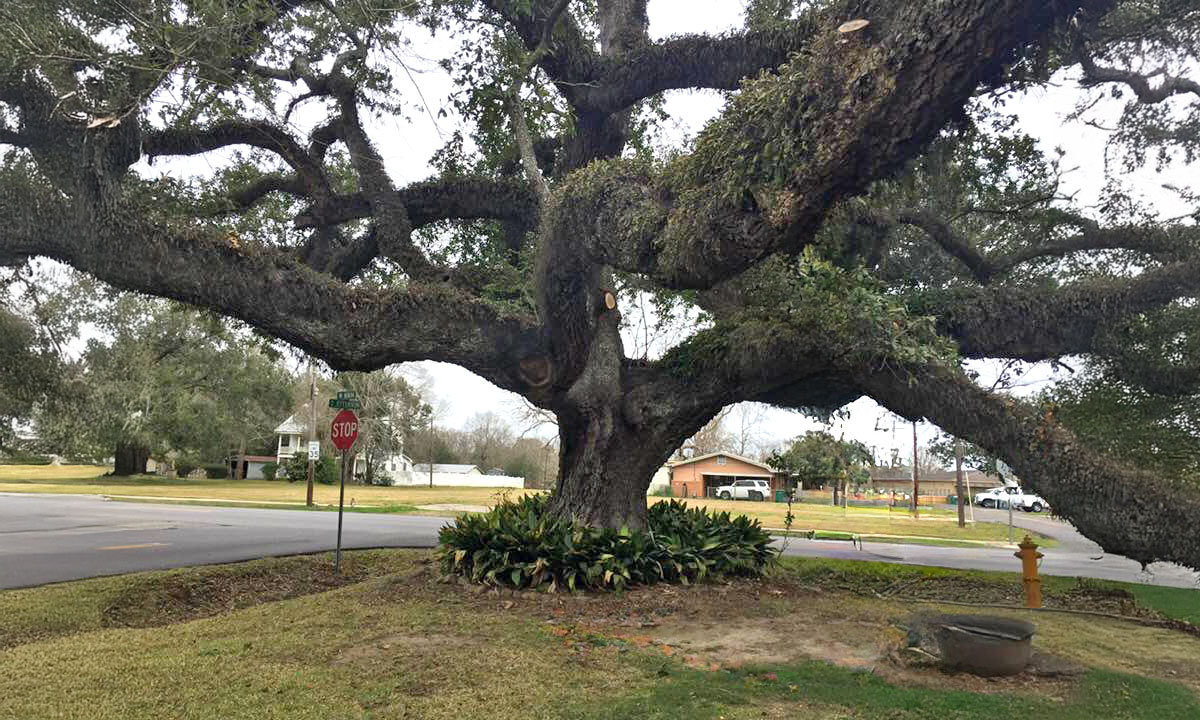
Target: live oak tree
{"x": 859, "y": 219}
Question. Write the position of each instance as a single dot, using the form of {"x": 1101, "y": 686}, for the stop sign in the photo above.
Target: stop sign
{"x": 344, "y": 430}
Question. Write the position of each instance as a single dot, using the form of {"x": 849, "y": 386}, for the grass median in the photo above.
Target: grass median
{"x": 284, "y": 638}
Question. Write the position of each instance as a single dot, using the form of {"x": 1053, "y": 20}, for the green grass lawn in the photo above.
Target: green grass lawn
{"x": 283, "y": 638}
{"x": 929, "y": 526}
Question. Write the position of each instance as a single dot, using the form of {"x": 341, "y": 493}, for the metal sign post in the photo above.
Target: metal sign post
{"x": 343, "y": 432}
{"x": 347, "y": 461}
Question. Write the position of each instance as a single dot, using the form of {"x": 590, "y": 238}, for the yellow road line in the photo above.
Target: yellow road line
{"x": 132, "y": 547}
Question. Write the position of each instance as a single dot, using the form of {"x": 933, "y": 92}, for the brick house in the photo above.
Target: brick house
{"x": 700, "y": 476}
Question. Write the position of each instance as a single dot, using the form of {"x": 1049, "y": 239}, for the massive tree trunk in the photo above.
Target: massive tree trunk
{"x": 605, "y": 469}
{"x": 130, "y": 458}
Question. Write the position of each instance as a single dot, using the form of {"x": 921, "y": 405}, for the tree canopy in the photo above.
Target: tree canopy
{"x": 155, "y": 378}
{"x": 862, "y": 218}
{"x": 818, "y": 458}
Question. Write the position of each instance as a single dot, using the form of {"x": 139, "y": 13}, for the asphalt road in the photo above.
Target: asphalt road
{"x": 52, "y": 538}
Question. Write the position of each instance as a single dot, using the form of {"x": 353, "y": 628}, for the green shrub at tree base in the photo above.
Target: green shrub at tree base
{"x": 216, "y": 471}
{"x": 519, "y": 544}
{"x": 269, "y": 470}
{"x": 184, "y": 469}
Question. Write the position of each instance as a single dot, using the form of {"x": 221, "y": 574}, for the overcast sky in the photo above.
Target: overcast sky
{"x": 408, "y": 143}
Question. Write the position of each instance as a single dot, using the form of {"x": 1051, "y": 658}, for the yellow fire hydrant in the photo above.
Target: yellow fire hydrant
{"x": 1029, "y": 569}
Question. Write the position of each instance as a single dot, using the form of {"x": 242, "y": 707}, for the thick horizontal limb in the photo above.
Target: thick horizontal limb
{"x": 691, "y": 62}
{"x": 434, "y": 200}
{"x": 1040, "y": 323}
{"x": 349, "y": 327}
{"x": 1142, "y": 515}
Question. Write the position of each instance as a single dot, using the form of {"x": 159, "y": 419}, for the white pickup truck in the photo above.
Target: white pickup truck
{"x": 1002, "y": 497}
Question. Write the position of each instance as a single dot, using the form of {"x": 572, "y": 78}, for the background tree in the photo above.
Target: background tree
{"x": 857, "y": 221}
{"x": 392, "y": 414}
{"x": 818, "y": 459}
{"x": 713, "y": 437}
{"x": 160, "y": 377}
{"x": 30, "y": 376}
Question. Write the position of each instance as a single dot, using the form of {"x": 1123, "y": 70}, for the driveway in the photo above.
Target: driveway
{"x": 52, "y": 538}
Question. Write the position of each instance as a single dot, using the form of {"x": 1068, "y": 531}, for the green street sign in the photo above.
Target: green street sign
{"x": 346, "y": 400}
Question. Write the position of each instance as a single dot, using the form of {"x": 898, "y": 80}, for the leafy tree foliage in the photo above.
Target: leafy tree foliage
{"x": 862, "y": 218}
{"x": 819, "y": 459}
{"x": 30, "y": 375}
{"x": 160, "y": 377}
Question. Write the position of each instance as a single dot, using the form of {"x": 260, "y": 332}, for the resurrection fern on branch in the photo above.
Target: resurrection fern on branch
{"x": 521, "y": 544}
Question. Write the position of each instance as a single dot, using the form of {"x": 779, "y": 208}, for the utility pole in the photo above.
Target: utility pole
{"x": 916, "y": 472}
{"x": 958, "y": 484}
{"x": 431, "y": 448}
{"x": 312, "y": 426}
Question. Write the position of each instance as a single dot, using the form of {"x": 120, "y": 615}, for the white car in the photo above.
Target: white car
{"x": 745, "y": 490}
{"x": 1002, "y": 497}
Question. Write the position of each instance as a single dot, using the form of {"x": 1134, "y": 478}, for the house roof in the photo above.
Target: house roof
{"x": 446, "y": 468}
{"x": 903, "y": 473}
{"x": 748, "y": 461}
{"x": 256, "y": 458}
{"x": 291, "y": 426}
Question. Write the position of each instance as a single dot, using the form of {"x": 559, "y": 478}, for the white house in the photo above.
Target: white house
{"x": 291, "y": 438}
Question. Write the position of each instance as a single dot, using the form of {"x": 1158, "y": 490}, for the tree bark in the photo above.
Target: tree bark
{"x": 240, "y": 465}
{"x": 605, "y": 468}
{"x": 129, "y": 458}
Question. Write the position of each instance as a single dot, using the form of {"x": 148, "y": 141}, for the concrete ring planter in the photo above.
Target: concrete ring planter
{"x": 984, "y": 645}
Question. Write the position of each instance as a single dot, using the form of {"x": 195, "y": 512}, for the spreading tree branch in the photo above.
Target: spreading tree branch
{"x": 1154, "y": 241}
{"x": 1044, "y": 323}
{"x": 1168, "y": 85}
{"x": 228, "y": 133}
{"x": 1142, "y": 515}
{"x": 848, "y": 111}
{"x": 349, "y": 327}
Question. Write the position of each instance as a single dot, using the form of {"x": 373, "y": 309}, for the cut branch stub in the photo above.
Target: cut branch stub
{"x": 537, "y": 370}
{"x": 853, "y": 26}
{"x": 609, "y": 300}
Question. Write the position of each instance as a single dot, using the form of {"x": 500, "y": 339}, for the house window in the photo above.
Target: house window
{"x": 286, "y": 441}
{"x": 722, "y": 460}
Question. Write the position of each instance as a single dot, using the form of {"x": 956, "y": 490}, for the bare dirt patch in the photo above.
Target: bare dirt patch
{"x": 781, "y": 620}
